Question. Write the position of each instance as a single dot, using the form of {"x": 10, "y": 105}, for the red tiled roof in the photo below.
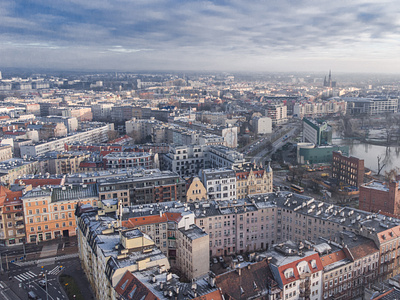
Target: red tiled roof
{"x": 129, "y": 287}
{"x": 296, "y": 274}
{"x": 40, "y": 181}
{"x": 216, "y": 295}
{"x": 153, "y": 219}
{"x": 333, "y": 257}
{"x": 7, "y": 197}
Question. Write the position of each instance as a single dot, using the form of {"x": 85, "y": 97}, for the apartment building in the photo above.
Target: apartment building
{"x": 298, "y": 274}
{"x": 347, "y": 170}
{"x": 102, "y": 111}
{"x": 262, "y": 125}
{"x": 195, "y": 190}
{"x": 252, "y": 179}
{"x": 125, "y": 160}
{"x": 277, "y": 112}
{"x": 12, "y": 227}
{"x": 249, "y": 282}
{"x": 187, "y": 161}
{"x": 192, "y": 251}
{"x": 13, "y": 168}
{"x": 97, "y": 134}
{"x": 220, "y": 184}
{"x": 378, "y": 196}
{"x": 63, "y": 163}
{"x": 371, "y": 106}
{"x": 49, "y": 212}
{"x": 5, "y": 152}
{"x": 321, "y": 108}
{"x": 107, "y": 252}
{"x": 71, "y": 123}
{"x": 224, "y": 157}
{"x": 144, "y": 186}
{"x": 157, "y": 284}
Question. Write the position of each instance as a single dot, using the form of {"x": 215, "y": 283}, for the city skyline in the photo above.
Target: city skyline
{"x": 201, "y": 35}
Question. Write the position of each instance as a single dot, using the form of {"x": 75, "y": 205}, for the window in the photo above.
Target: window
{"x": 44, "y": 210}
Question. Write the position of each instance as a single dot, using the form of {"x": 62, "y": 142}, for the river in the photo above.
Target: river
{"x": 370, "y": 152}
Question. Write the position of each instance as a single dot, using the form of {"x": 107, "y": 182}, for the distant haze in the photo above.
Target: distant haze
{"x": 128, "y": 35}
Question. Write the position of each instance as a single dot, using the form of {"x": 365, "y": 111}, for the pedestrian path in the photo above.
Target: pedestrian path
{"x": 46, "y": 261}
{"x": 49, "y": 250}
{"x": 25, "y": 276}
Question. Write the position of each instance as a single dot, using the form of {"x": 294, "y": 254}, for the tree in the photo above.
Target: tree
{"x": 112, "y": 135}
{"x": 381, "y": 163}
{"x": 391, "y": 174}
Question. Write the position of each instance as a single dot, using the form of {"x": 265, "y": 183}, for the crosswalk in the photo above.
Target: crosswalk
{"x": 56, "y": 270}
{"x": 25, "y": 276}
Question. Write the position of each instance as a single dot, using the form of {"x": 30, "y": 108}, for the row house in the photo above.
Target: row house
{"x": 236, "y": 226}
{"x": 108, "y": 251}
{"x": 251, "y": 180}
{"x": 220, "y": 184}
{"x": 12, "y": 228}
{"x": 49, "y": 212}
{"x": 145, "y": 186}
{"x": 299, "y": 274}
{"x": 123, "y": 160}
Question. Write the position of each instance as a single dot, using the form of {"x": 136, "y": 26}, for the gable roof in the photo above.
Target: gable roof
{"x": 296, "y": 276}
{"x": 130, "y": 288}
{"x": 246, "y": 282}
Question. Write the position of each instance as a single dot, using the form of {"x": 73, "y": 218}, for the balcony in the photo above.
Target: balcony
{"x": 19, "y": 218}
{"x": 20, "y": 234}
{"x": 19, "y": 226}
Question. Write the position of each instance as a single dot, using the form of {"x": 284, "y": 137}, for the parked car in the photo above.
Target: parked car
{"x": 215, "y": 260}
{"x": 221, "y": 259}
{"x": 240, "y": 258}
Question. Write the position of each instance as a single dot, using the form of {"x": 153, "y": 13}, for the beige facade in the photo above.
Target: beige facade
{"x": 5, "y": 152}
{"x": 12, "y": 169}
{"x": 66, "y": 163}
{"x": 251, "y": 180}
{"x": 196, "y": 191}
{"x": 193, "y": 252}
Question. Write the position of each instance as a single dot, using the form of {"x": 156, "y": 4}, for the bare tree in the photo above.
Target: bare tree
{"x": 391, "y": 174}
{"x": 381, "y": 163}
{"x": 112, "y": 135}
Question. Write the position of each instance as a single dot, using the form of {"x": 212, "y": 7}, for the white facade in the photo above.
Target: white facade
{"x": 219, "y": 183}
{"x": 95, "y": 135}
{"x": 262, "y": 125}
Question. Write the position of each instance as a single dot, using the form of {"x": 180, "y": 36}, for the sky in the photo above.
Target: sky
{"x": 234, "y": 35}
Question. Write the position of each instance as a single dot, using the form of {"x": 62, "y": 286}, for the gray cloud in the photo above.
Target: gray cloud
{"x": 231, "y": 35}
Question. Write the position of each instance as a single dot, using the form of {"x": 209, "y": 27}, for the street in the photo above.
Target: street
{"x": 46, "y": 260}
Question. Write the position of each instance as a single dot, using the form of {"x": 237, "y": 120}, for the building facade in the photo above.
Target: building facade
{"x": 347, "y": 170}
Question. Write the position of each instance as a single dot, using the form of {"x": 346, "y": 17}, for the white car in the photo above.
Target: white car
{"x": 240, "y": 258}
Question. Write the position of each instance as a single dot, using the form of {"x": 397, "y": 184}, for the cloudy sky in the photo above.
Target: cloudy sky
{"x": 231, "y": 35}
